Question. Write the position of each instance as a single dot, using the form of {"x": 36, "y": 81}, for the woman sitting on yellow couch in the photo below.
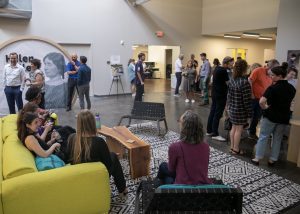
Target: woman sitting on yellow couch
{"x": 27, "y": 128}
{"x": 85, "y": 146}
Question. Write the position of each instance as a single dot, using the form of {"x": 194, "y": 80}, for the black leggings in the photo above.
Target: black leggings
{"x": 117, "y": 173}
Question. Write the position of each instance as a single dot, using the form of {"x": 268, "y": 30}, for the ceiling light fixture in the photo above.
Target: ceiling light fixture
{"x": 232, "y": 36}
{"x": 265, "y": 38}
{"x": 251, "y": 34}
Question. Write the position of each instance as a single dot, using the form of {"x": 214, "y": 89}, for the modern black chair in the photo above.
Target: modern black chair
{"x": 206, "y": 199}
{"x": 147, "y": 111}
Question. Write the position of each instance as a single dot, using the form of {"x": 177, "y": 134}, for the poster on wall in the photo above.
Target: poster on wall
{"x": 53, "y": 64}
{"x": 293, "y": 58}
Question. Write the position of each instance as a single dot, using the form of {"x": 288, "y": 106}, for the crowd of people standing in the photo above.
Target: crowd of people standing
{"x": 246, "y": 94}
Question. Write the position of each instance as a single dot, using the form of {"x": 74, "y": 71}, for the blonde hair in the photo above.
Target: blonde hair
{"x": 81, "y": 142}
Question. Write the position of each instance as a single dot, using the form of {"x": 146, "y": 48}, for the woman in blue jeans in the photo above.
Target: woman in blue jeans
{"x": 275, "y": 103}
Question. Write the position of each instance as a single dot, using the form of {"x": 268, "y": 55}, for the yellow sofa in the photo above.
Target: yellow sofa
{"x": 74, "y": 189}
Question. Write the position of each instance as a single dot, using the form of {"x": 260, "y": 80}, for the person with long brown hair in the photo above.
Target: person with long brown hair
{"x": 43, "y": 128}
{"x": 28, "y": 124}
{"x": 188, "y": 157}
{"x": 85, "y": 146}
{"x": 239, "y": 103}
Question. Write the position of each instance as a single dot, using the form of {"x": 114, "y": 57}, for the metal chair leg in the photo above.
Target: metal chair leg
{"x": 166, "y": 125}
{"x": 158, "y": 127}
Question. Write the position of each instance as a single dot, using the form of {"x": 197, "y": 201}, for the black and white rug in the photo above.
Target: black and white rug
{"x": 264, "y": 192}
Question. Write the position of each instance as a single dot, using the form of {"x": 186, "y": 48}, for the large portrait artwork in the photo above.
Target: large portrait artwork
{"x": 53, "y": 59}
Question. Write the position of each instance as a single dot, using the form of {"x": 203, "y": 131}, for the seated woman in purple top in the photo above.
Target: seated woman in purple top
{"x": 188, "y": 157}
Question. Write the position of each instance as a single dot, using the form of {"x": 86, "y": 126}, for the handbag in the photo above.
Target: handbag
{"x": 227, "y": 124}
{"x": 50, "y": 162}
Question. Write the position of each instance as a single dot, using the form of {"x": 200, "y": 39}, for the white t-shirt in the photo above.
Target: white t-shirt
{"x": 178, "y": 65}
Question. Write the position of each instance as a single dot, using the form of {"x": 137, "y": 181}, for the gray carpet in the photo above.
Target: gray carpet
{"x": 264, "y": 192}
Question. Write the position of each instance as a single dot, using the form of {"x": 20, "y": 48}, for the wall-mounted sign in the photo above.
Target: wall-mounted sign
{"x": 115, "y": 59}
{"x": 159, "y": 33}
{"x": 53, "y": 58}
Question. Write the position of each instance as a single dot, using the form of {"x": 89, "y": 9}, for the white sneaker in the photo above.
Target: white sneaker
{"x": 208, "y": 134}
{"x": 187, "y": 100}
{"x": 193, "y": 101}
{"x": 176, "y": 95}
{"x": 219, "y": 138}
{"x": 133, "y": 95}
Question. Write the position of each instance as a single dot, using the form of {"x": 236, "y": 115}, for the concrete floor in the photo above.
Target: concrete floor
{"x": 111, "y": 108}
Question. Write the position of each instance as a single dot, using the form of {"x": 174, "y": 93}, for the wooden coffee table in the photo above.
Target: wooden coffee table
{"x": 120, "y": 139}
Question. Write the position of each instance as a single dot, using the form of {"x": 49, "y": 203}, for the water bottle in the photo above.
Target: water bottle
{"x": 98, "y": 121}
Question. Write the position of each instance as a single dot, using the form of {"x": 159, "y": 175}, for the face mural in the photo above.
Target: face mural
{"x": 53, "y": 59}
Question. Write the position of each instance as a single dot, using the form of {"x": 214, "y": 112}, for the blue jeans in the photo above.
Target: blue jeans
{"x": 164, "y": 175}
{"x": 256, "y": 115}
{"x": 13, "y": 95}
{"x": 178, "y": 81}
{"x": 266, "y": 129}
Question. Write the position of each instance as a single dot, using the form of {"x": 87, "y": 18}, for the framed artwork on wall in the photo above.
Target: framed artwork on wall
{"x": 293, "y": 58}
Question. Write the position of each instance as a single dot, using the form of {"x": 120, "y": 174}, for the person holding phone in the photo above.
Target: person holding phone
{"x": 27, "y": 128}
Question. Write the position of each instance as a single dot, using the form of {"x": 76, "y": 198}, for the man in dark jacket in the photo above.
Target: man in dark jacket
{"x": 83, "y": 82}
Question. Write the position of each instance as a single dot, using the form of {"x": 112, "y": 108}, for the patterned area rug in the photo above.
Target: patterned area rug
{"x": 264, "y": 192}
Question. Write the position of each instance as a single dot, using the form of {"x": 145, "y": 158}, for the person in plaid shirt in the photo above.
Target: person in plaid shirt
{"x": 239, "y": 103}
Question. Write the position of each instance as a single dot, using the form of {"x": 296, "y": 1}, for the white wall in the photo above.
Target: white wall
{"x": 221, "y": 16}
{"x": 288, "y": 30}
{"x": 103, "y": 24}
{"x": 216, "y": 47}
{"x": 288, "y": 37}
{"x": 140, "y": 49}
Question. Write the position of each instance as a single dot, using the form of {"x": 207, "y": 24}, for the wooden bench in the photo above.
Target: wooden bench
{"x": 147, "y": 111}
{"x": 120, "y": 139}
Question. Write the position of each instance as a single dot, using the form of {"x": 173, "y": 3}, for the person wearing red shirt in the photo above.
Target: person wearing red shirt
{"x": 260, "y": 80}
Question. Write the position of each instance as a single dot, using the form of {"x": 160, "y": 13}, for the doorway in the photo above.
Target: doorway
{"x": 169, "y": 54}
{"x": 159, "y": 59}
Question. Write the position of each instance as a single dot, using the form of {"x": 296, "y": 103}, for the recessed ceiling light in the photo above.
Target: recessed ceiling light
{"x": 265, "y": 38}
{"x": 251, "y": 34}
{"x": 232, "y": 36}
